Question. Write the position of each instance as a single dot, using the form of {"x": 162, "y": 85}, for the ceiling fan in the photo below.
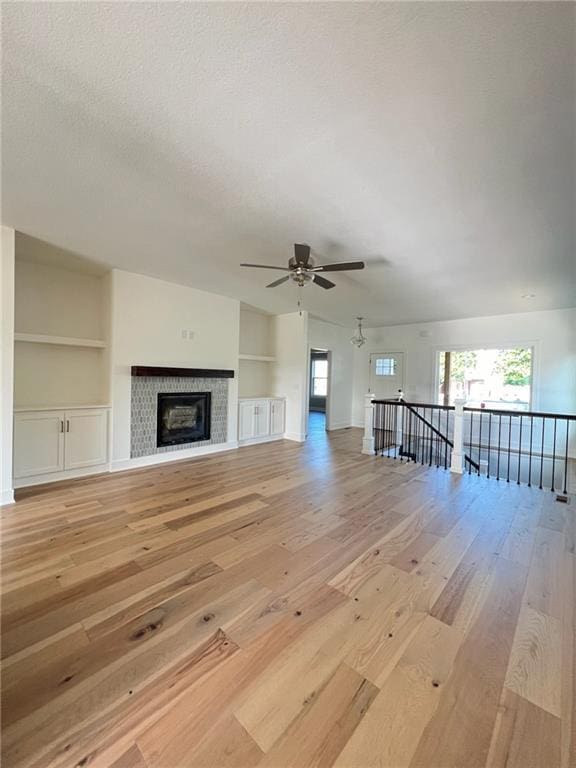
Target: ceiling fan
{"x": 302, "y": 269}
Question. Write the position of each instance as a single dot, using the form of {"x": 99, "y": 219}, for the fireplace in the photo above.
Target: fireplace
{"x": 182, "y": 417}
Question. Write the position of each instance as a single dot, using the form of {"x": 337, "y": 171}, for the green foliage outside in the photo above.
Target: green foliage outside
{"x": 515, "y": 365}
{"x": 462, "y": 362}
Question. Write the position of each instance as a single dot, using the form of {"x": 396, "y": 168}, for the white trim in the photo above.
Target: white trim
{"x": 298, "y": 437}
{"x": 40, "y": 408}
{"x": 161, "y": 458}
{"x": 257, "y": 358}
{"x": 67, "y": 341}
{"x": 6, "y": 497}
{"x": 256, "y": 440}
{"x": 65, "y": 474}
{"x": 338, "y": 425}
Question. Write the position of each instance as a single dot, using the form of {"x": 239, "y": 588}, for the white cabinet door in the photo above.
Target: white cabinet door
{"x": 86, "y": 434}
{"x": 38, "y": 443}
{"x": 262, "y": 418}
{"x": 277, "y": 417}
{"x": 246, "y": 421}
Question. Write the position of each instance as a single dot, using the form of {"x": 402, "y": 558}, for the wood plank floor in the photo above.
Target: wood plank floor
{"x": 289, "y": 606}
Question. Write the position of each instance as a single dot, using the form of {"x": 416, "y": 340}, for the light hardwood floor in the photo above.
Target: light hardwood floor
{"x": 289, "y": 605}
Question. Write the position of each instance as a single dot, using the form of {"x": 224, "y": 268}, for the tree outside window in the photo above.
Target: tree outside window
{"x": 492, "y": 378}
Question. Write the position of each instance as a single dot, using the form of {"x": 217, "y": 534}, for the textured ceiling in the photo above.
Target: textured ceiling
{"x": 434, "y": 140}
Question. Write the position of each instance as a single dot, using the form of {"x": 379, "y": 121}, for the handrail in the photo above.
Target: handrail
{"x": 497, "y": 411}
{"x": 437, "y": 432}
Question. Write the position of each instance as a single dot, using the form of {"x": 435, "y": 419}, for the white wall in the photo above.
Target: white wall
{"x": 322, "y": 335}
{"x": 552, "y": 334}
{"x": 148, "y": 317}
{"x": 58, "y": 302}
{"x": 289, "y": 376}
{"x": 255, "y": 333}
{"x": 6, "y": 363}
{"x": 254, "y": 378}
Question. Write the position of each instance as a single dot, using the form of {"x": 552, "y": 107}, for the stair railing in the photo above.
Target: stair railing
{"x": 520, "y": 446}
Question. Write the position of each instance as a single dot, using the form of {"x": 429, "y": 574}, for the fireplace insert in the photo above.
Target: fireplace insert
{"x": 183, "y": 418}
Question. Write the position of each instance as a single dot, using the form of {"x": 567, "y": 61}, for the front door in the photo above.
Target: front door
{"x": 386, "y": 374}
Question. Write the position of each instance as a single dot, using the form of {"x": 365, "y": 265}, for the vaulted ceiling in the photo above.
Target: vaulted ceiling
{"x": 436, "y": 141}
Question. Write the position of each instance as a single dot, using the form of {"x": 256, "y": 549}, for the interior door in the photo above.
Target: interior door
{"x": 86, "y": 443}
{"x": 38, "y": 443}
{"x": 386, "y": 374}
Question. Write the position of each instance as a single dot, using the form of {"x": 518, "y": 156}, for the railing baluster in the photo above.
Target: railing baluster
{"x": 446, "y": 444}
{"x": 489, "y": 442}
{"x": 499, "y": 441}
{"x": 480, "y": 446}
{"x": 430, "y": 434}
{"x": 530, "y": 449}
{"x": 396, "y": 432}
{"x": 509, "y": 436}
{"x": 519, "y": 451}
{"x": 566, "y": 459}
{"x": 542, "y": 452}
{"x": 553, "y": 456}
{"x": 470, "y": 443}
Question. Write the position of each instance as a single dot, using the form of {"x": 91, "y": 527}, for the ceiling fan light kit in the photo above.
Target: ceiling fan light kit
{"x": 359, "y": 339}
{"x": 302, "y": 269}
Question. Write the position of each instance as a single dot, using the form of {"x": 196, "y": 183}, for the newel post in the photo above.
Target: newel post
{"x": 368, "y": 441}
{"x": 457, "y": 463}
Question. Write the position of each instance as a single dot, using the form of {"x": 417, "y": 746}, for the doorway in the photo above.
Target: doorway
{"x": 386, "y": 374}
{"x": 318, "y": 390}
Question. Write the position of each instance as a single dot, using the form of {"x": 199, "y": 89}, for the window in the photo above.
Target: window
{"x": 491, "y": 378}
{"x": 385, "y": 366}
{"x": 319, "y": 378}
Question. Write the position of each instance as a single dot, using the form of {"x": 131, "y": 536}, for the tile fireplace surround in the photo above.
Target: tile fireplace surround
{"x": 144, "y": 403}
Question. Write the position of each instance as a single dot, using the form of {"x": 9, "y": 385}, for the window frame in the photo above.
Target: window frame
{"x": 313, "y": 378}
{"x": 533, "y": 346}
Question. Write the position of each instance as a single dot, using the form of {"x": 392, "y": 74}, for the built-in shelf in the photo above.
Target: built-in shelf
{"x": 59, "y": 407}
{"x": 66, "y": 341}
{"x": 258, "y": 358}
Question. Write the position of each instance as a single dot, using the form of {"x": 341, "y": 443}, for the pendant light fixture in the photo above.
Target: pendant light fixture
{"x": 359, "y": 339}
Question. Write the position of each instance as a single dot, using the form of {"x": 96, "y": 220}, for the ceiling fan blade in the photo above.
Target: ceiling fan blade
{"x": 301, "y": 253}
{"x": 340, "y": 266}
{"x": 322, "y": 282}
{"x": 278, "y": 282}
{"x": 265, "y": 266}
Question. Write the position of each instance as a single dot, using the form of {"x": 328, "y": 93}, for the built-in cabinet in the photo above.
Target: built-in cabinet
{"x": 59, "y": 443}
{"x": 61, "y": 365}
{"x": 261, "y": 419}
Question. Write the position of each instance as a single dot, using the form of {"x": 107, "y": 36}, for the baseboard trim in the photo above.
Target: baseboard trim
{"x": 339, "y": 425}
{"x": 297, "y": 437}
{"x": 258, "y": 440}
{"x": 6, "y": 497}
{"x": 57, "y": 477}
{"x": 162, "y": 458}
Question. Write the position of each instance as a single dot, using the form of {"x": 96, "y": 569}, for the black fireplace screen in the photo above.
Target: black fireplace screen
{"x": 183, "y": 418}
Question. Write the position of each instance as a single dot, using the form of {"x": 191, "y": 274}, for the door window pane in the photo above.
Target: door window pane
{"x": 385, "y": 366}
